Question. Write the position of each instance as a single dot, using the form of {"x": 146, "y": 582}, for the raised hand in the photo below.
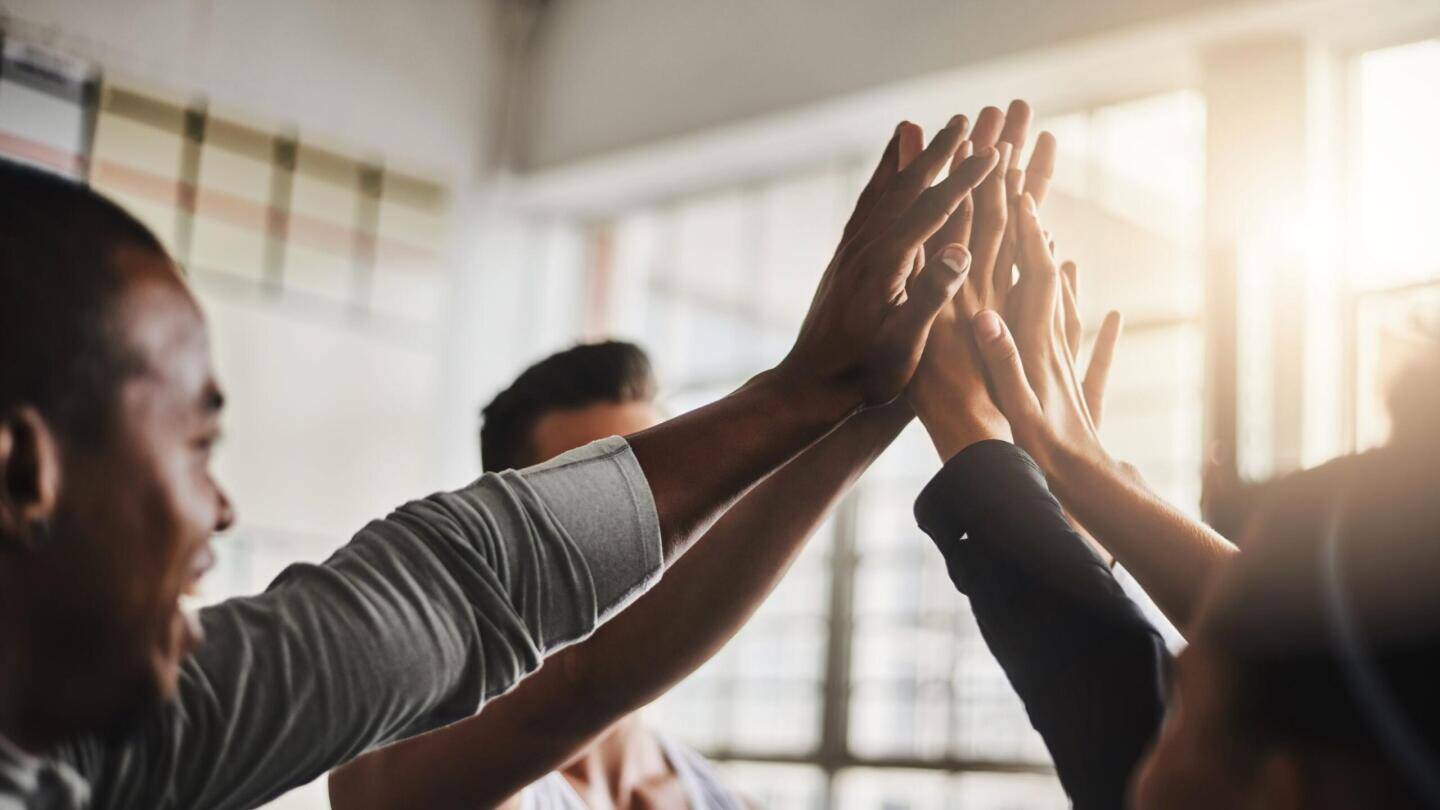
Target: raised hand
{"x": 1033, "y": 369}
{"x": 992, "y": 238}
{"x": 872, "y": 313}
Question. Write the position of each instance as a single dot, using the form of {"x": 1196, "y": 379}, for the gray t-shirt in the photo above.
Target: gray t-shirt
{"x": 415, "y": 623}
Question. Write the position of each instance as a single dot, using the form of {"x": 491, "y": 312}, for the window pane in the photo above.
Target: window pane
{"x": 936, "y": 790}
{"x": 232, "y": 203}
{"x": 42, "y": 119}
{"x": 136, "y": 162}
{"x": 777, "y": 786}
{"x": 409, "y": 278}
{"x": 1398, "y": 115}
{"x": 321, "y": 241}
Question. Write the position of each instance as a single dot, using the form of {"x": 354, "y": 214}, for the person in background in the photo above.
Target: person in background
{"x": 109, "y": 412}
{"x": 1313, "y": 654}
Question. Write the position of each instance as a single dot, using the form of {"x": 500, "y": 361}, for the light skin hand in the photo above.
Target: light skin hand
{"x": 949, "y": 392}
{"x": 1170, "y": 555}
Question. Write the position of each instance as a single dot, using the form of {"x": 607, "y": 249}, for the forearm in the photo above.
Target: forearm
{"x": 1086, "y": 663}
{"x": 710, "y": 593}
{"x": 698, "y": 464}
{"x": 702, "y": 602}
{"x": 1170, "y": 554}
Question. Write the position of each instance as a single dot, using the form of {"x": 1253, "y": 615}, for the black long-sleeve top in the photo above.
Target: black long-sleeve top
{"x": 1088, "y": 666}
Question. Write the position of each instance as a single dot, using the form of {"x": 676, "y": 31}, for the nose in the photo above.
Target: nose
{"x": 225, "y": 516}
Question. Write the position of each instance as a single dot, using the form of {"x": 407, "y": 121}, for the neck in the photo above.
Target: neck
{"x": 628, "y": 754}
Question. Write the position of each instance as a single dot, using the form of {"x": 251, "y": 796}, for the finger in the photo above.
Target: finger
{"x": 988, "y": 230}
{"x": 933, "y": 208}
{"x": 1004, "y": 274}
{"x": 1017, "y": 127}
{"x": 928, "y": 293}
{"x": 1074, "y": 329}
{"x": 987, "y": 128}
{"x": 1041, "y": 169}
{"x": 1034, "y": 253}
{"x": 940, "y": 279}
{"x": 912, "y": 142}
{"x": 1016, "y": 399}
{"x": 885, "y": 171}
{"x": 1102, "y": 357}
{"x": 957, "y": 228}
{"x": 913, "y": 180}
{"x": 1037, "y": 308}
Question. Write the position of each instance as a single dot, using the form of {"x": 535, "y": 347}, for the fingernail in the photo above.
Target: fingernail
{"x": 957, "y": 258}
{"x": 987, "y": 326}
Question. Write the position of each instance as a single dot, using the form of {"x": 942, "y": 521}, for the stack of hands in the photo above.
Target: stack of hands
{"x": 949, "y": 298}
{"x": 923, "y": 297}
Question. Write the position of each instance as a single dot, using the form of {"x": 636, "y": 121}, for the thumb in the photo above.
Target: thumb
{"x": 938, "y": 281}
{"x": 1002, "y": 365}
{"x": 931, "y": 289}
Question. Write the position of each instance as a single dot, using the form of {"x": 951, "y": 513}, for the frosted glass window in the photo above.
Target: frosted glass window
{"x": 137, "y": 156}
{"x": 42, "y": 113}
{"x": 232, "y": 203}
{"x": 1398, "y": 114}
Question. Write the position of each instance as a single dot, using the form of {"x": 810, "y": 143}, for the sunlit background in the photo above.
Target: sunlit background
{"x": 389, "y": 208}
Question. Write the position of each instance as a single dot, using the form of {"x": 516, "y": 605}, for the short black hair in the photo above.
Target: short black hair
{"x": 59, "y": 348}
{"x": 590, "y": 373}
{"x": 1333, "y": 613}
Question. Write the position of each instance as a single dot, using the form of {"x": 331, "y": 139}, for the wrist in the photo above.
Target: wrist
{"x": 954, "y": 428}
{"x": 806, "y": 396}
{"x": 1071, "y": 470}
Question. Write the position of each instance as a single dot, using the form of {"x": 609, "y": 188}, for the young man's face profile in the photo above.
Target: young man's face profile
{"x": 133, "y": 517}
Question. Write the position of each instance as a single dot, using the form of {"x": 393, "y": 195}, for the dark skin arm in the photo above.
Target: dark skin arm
{"x": 858, "y": 347}
{"x": 860, "y": 342}
{"x": 702, "y": 602}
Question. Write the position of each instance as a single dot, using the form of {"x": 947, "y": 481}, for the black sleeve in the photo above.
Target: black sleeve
{"x": 1087, "y": 664}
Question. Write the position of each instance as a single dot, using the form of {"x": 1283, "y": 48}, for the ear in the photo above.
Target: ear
{"x": 29, "y": 476}
{"x": 1279, "y": 781}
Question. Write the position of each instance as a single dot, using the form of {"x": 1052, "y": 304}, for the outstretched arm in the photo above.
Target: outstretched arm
{"x": 452, "y": 600}
{"x": 702, "y": 602}
{"x": 714, "y": 589}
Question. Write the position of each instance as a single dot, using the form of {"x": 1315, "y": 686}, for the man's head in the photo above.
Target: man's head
{"x": 108, "y": 412}
{"x": 1325, "y": 630}
{"x": 569, "y": 399}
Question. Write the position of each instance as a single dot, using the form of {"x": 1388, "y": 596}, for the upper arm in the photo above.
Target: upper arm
{"x": 415, "y": 623}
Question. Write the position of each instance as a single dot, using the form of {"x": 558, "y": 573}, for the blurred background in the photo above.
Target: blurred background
{"x": 389, "y": 208}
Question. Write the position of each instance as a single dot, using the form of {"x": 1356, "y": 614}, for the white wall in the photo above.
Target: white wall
{"x": 610, "y": 74}
{"x": 406, "y": 80}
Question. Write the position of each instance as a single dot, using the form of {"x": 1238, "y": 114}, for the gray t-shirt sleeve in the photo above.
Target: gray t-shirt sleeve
{"x": 415, "y": 623}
